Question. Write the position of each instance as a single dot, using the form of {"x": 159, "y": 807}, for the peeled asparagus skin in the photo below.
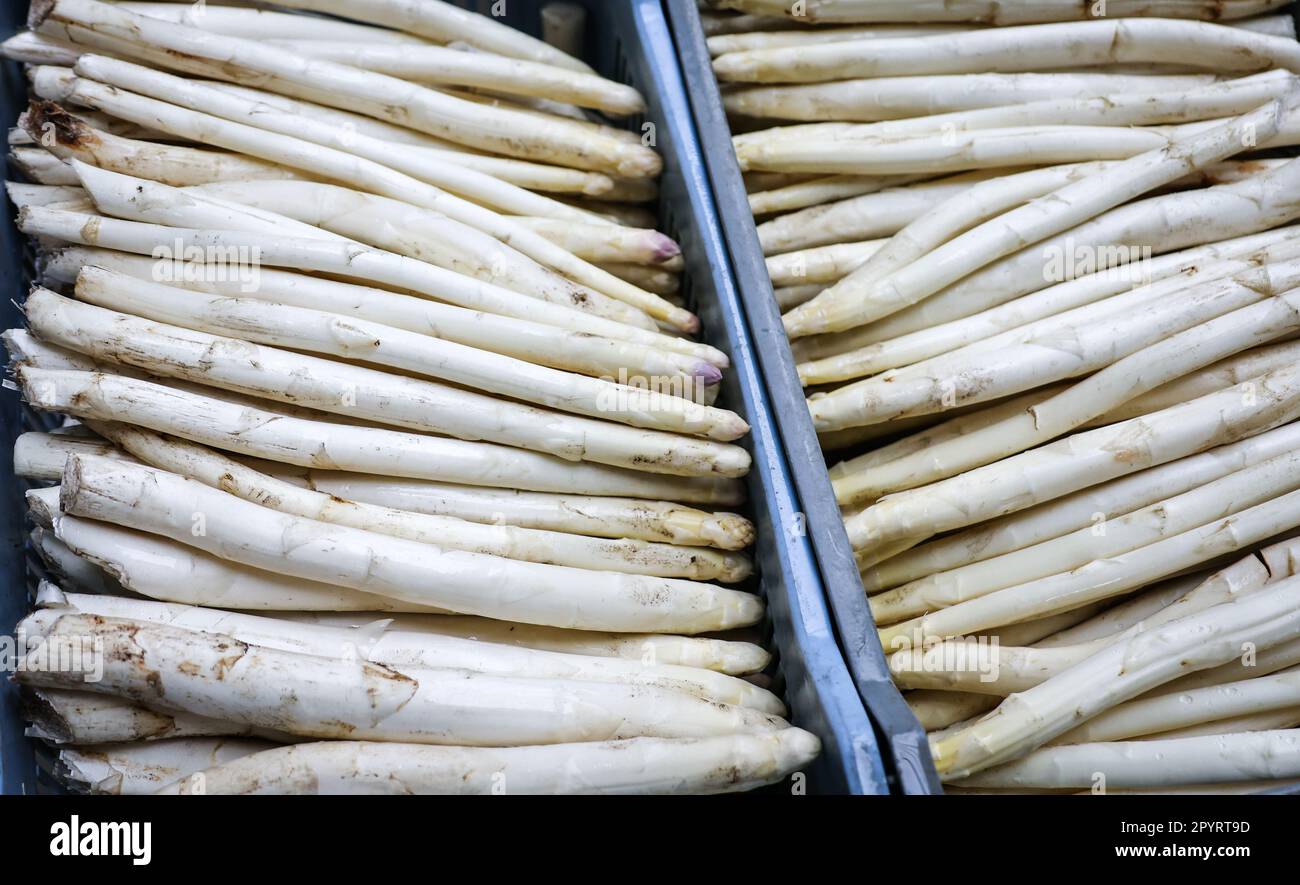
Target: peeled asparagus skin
{"x": 162, "y": 503}
{"x": 640, "y": 765}
{"x": 176, "y": 669}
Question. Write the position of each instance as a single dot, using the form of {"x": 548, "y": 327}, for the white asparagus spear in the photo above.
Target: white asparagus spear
{"x": 264, "y": 24}
{"x": 1109, "y": 388}
{"x": 822, "y": 264}
{"x": 520, "y": 173}
{"x": 1145, "y": 228}
{"x": 1007, "y": 50}
{"x": 170, "y": 572}
{"x": 962, "y": 422}
{"x": 725, "y": 656}
{"x": 220, "y": 676}
{"x": 596, "y": 242}
{"x": 32, "y": 48}
{"x": 1106, "y": 578}
{"x": 1165, "y": 713}
{"x": 1034, "y": 632}
{"x": 949, "y": 220}
{"x": 1232, "y": 370}
{"x": 360, "y": 340}
{"x": 948, "y": 381}
{"x": 816, "y": 191}
{"x": 356, "y": 391}
{"x": 1137, "y": 608}
{"x": 1269, "y": 720}
{"x": 82, "y": 718}
{"x": 1090, "y": 506}
{"x": 1176, "y": 514}
{"x": 1226, "y": 99}
{"x": 1119, "y": 672}
{"x": 864, "y": 297}
{"x": 208, "y": 416}
{"x": 978, "y": 149}
{"x": 471, "y": 583}
{"x": 469, "y": 175}
{"x": 71, "y": 569}
{"x": 830, "y": 358}
{"x": 1115, "y": 280}
{"x": 529, "y": 545}
{"x": 41, "y": 166}
{"x": 503, "y": 131}
{"x": 173, "y": 164}
{"x": 936, "y": 710}
{"x": 42, "y": 456}
{"x": 996, "y": 13}
{"x": 1108, "y": 452}
{"x": 873, "y": 215}
{"x": 1153, "y": 763}
{"x": 349, "y": 260}
{"x": 137, "y": 769}
{"x": 440, "y": 65}
{"x": 382, "y": 642}
{"x": 989, "y": 667}
{"x": 446, "y": 23}
{"x": 535, "y": 342}
{"x": 641, "y": 765}
{"x": 338, "y": 165}
{"x": 721, "y": 44}
{"x": 896, "y": 98}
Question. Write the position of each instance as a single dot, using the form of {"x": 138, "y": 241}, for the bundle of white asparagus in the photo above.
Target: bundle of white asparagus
{"x": 1040, "y": 270}
{"x": 391, "y": 461}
